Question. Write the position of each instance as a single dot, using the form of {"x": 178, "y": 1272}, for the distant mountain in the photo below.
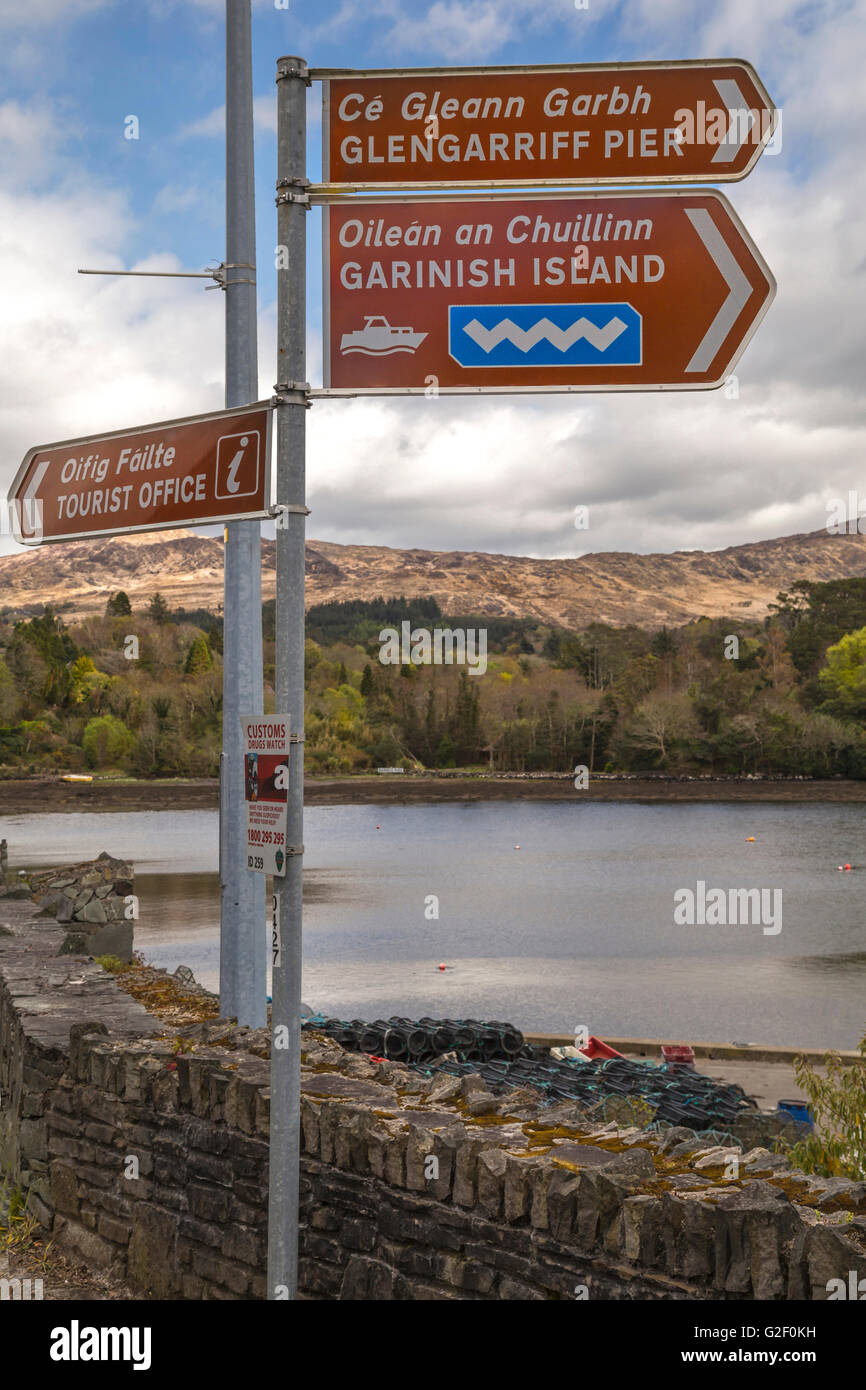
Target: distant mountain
{"x": 610, "y": 586}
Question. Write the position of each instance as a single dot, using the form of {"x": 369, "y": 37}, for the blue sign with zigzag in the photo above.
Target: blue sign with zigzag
{"x": 545, "y": 335}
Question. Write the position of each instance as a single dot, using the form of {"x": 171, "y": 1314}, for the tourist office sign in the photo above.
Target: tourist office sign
{"x": 190, "y": 472}
{"x": 606, "y": 123}
{"x": 554, "y": 292}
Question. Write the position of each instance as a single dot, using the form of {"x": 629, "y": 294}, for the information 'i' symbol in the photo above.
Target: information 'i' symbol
{"x": 232, "y": 482}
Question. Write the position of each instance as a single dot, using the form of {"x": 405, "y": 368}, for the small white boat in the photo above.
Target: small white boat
{"x": 378, "y": 339}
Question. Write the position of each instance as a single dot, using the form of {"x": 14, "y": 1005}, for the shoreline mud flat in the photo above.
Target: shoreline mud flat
{"x": 39, "y": 795}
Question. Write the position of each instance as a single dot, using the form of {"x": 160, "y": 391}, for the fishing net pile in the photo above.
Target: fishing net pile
{"x": 498, "y": 1053}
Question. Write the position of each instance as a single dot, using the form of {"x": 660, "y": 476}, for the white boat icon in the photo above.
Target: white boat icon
{"x": 378, "y": 339}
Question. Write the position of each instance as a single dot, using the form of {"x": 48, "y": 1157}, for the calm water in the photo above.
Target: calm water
{"x": 575, "y": 926}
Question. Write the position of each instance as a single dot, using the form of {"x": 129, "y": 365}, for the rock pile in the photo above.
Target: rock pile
{"x": 95, "y": 900}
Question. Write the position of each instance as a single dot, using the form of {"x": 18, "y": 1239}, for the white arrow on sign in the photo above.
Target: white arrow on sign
{"x": 739, "y": 290}
{"x": 30, "y": 506}
{"x": 740, "y": 124}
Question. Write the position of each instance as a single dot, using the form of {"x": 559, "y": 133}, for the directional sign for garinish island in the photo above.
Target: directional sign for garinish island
{"x": 558, "y": 292}
{"x": 608, "y": 123}
{"x": 190, "y": 472}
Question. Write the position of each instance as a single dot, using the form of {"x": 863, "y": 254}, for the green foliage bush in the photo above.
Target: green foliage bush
{"x": 843, "y": 678}
{"x": 199, "y": 657}
{"x": 106, "y": 741}
{"x": 837, "y": 1149}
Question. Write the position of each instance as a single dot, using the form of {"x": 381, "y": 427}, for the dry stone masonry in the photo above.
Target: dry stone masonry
{"x": 145, "y": 1150}
{"x": 94, "y": 900}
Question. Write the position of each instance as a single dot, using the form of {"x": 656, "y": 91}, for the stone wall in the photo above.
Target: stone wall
{"x": 44, "y": 996}
{"x": 145, "y": 1150}
{"x": 94, "y": 900}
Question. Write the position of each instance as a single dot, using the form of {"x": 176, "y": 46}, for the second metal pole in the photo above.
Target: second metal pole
{"x": 243, "y": 944}
{"x": 285, "y": 1124}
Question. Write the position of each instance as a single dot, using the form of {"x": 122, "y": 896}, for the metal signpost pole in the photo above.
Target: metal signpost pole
{"x": 293, "y": 203}
{"x": 243, "y": 943}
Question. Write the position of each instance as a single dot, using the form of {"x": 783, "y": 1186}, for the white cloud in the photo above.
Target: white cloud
{"x": 181, "y": 197}
{"x": 658, "y": 472}
{"x": 264, "y": 117}
{"x": 458, "y": 31}
{"x": 30, "y": 138}
{"x": 82, "y": 354}
{"x": 214, "y": 123}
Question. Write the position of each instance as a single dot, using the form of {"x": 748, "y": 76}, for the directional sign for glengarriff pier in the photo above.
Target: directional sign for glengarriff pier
{"x": 607, "y": 123}
{"x": 190, "y": 472}
{"x": 554, "y": 292}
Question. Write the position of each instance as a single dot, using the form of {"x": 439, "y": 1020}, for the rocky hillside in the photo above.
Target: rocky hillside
{"x": 611, "y": 586}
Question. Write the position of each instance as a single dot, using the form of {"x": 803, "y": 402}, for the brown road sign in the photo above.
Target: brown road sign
{"x": 554, "y": 292}
{"x": 191, "y": 472}
{"x": 619, "y": 123}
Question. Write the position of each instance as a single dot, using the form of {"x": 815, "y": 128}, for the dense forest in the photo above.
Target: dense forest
{"x": 141, "y": 692}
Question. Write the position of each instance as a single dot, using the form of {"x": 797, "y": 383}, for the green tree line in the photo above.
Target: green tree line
{"x": 141, "y": 693}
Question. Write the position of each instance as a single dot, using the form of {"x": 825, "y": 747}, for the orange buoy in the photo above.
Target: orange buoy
{"x": 847, "y": 868}
{"x": 750, "y": 839}
{"x": 442, "y": 965}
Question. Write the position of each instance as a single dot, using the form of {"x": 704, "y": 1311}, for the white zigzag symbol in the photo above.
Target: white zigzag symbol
{"x": 526, "y": 338}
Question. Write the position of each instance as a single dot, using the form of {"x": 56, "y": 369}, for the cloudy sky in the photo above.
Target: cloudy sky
{"x": 658, "y": 472}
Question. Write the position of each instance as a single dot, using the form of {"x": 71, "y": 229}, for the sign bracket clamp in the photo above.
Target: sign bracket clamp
{"x": 281, "y": 513}
{"x": 293, "y": 190}
{"x": 222, "y": 280}
{"x": 292, "y": 393}
{"x": 294, "y": 67}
